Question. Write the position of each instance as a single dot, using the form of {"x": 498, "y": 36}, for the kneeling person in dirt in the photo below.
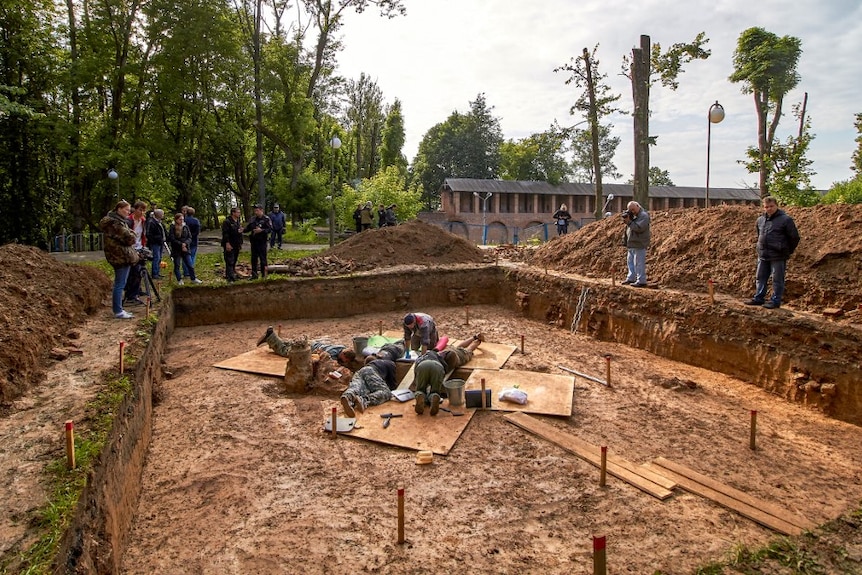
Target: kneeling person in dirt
{"x": 431, "y": 368}
{"x": 345, "y": 357}
{"x": 371, "y": 385}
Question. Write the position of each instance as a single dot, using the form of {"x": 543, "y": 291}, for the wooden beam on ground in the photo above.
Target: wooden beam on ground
{"x": 757, "y": 510}
{"x": 407, "y": 382}
{"x": 616, "y": 466}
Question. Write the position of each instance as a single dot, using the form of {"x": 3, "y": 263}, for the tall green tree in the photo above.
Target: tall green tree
{"x": 596, "y": 101}
{"x": 657, "y": 177}
{"x": 539, "y": 157}
{"x": 857, "y": 153}
{"x": 365, "y": 120}
{"x": 464, "y": 146}
{"x": 765, "y": 64}
{"x": 392, "y": 141}
{"x": 31, "y": 170}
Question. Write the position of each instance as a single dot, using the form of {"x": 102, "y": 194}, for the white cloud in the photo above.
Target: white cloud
{"x": 444, "y": 52}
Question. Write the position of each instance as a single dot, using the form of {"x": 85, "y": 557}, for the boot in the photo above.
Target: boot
{"x": 435, "y": 403}
{"x": 420, "y": 403}
{"x": 265, "y": 337}
{"x": 347, "y": 405}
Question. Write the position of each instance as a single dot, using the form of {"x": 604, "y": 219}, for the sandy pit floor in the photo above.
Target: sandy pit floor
{"x": 240, "y": 477}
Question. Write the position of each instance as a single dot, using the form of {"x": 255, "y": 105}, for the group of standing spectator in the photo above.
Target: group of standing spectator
{"x": 259, "y": 229}
{"x": 363, "y": 216}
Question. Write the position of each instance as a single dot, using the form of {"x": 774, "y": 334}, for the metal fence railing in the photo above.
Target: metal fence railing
{"x": 92, "y": 242}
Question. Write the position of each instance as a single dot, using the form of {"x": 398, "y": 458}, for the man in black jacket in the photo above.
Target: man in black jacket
{"x": 231, "y": 243}
{"x": 258, "y": 229}
{"x": 156, "y": 240}
{"x": 777, "y": 238}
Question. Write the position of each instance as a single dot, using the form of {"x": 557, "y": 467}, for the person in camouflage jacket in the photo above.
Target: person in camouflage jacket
{"x": 119, "y": 243}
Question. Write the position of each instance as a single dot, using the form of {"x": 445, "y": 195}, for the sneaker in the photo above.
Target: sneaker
{"x": 197, "y": 281}
{"x": 180, "y": 282}
{"x": 479, "y": 336}
{"x": 133, "y": 301}
{"x": 628, "y": 282}
{"x": 420, "y": 403}
{"x": 347, "y": 406}
{"x": 435, "y": 403}
{"x": 123, "y": 315}
{"x": 265, "y": 337}
{"x": 753, "y": 302}
{"x": 771, "y": 305}
{"x": 639, "y": 285}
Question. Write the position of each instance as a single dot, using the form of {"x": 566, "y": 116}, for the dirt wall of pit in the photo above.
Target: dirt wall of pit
{"x": 791, "y": 355}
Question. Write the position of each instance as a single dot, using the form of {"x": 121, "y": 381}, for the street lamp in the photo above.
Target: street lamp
{"x": 484, "y": 197}
{"x": 113, "y": 175}
{"x": 334, "y": 143}
{"x": 715, "y": 115}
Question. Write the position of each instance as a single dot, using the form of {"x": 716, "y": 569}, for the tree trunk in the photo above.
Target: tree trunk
{"x": 594, "y": 129}
{"x": 640, "y": 70}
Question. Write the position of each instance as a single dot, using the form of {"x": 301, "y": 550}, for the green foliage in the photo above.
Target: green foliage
{"x": 387, "y": 187}
{"x": 669, "y": 65}
{"x": 582, "y": 159}
{"x": 857, "y": 153}
{"x": 393, "y": 139}
{"x": 538, "y": 157}
{"x": 464, "y": 146}
{"x": 846, "y": 192}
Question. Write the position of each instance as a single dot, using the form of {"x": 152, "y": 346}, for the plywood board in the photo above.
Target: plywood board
{"x": 589, "y": 453}
{"x": 547, "y": 394}
{"x": 261, "y": 360}
{"x": 488, "y": 355}
{"x": 779, "y": 513}
{"x": 412, "y": 431}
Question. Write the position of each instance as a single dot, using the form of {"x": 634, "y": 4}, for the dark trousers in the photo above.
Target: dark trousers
{"x": 275, "y": 238}
{"x": 133, "y": 282}
{"x": 258, "y": 257}
{"x": 230, "y": 258}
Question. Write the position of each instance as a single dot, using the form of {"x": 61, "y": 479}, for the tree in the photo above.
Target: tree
{"x": 464, "y": 146}
{"x": 857, "y": 153}
{"x": 392, "y": 141}
{"x": 646, "y": 62}
{"x": 365, "y": 120}
{"x": 595, "y": 102}
{"x": 388, "y": 186}
{"x": 582, "y": 154}
{"x": 659, "y": 177}
{"x": 766, "y": 66}
{"x": 539, "y": 157}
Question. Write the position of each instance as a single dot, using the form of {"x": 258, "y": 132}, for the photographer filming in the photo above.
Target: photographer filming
{"x": 637, "y": 238}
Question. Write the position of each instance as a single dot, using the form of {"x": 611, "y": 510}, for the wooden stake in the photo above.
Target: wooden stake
{"x": 149, "y": 304}
{"x": 122, "y": 357}
{"x": 711, "y": 288}
{"x": 600, "y": 564}
{"x": 604, "y": 468}
{"x": 608, "y": 370}
{"x": 70, "y": 444}
{"x": 522, "y": 344}
{"x": 334, "y": 422}
{"x": 279, "y": 330}
{"x": 613, "y": 280}
{"x": 380, "y": 328}
{"x": 753, "y": 429}
{"x": 467, "y": 313}
{"x": 400, "y": 515}
{"x": 483, "y": 393}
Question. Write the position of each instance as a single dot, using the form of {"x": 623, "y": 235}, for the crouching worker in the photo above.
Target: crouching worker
{"x": 345, "y": 357}
{"x": 431, "y": 368}
{"x": 371, "y": 385}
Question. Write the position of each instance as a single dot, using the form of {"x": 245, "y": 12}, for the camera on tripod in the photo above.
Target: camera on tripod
{"x": 146, "y": 254}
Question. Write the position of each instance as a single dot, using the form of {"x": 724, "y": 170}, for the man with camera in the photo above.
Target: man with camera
{"x": 637, "y": 241}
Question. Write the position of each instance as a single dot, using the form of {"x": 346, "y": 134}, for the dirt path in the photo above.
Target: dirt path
{"x": 240, "y": 479}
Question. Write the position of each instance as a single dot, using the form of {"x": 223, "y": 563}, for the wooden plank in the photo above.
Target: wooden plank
{"x": 547, "y": 394}
{"x": 412, "y": 431}
{"x": 586, "y": 451}
{"x": 260, "y": 360}
{"x": 743, "y": 509}
{"x": 774, "y": 510}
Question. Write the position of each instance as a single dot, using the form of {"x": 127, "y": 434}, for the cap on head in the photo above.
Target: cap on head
{"x": 257, "y": 207}
{"x": 409, "y": 319}
{"x": 276, "y": 206}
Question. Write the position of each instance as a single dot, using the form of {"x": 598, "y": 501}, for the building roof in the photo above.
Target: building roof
{"x": 471, "y": 185}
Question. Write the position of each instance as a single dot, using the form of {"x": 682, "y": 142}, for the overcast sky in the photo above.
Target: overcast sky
{"x": 445, "y": 52}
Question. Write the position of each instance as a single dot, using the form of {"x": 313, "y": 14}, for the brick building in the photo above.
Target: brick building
{"x": 505, "y": 211}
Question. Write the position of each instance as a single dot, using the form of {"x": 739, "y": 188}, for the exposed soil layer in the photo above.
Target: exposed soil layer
{"x": 240, "y": 479}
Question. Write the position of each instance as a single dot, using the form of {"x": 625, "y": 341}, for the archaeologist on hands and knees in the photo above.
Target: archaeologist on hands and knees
{"x": 777, "y": 239}
{"x": 637, "y": 237}
{"x": 431, "y": 368}
{"x": 421, "y": 331}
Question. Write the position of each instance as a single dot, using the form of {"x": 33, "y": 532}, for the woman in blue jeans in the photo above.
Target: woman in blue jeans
{"x": 120, "y": 252}
{"x": 180, "y": 240}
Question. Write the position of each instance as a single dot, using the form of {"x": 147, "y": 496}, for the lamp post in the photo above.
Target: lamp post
{"x": 334, "y": 143}
{"x": 715, "y": 115}
{"x": 484, "y": 197}
{"x": 113, "y": 175}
